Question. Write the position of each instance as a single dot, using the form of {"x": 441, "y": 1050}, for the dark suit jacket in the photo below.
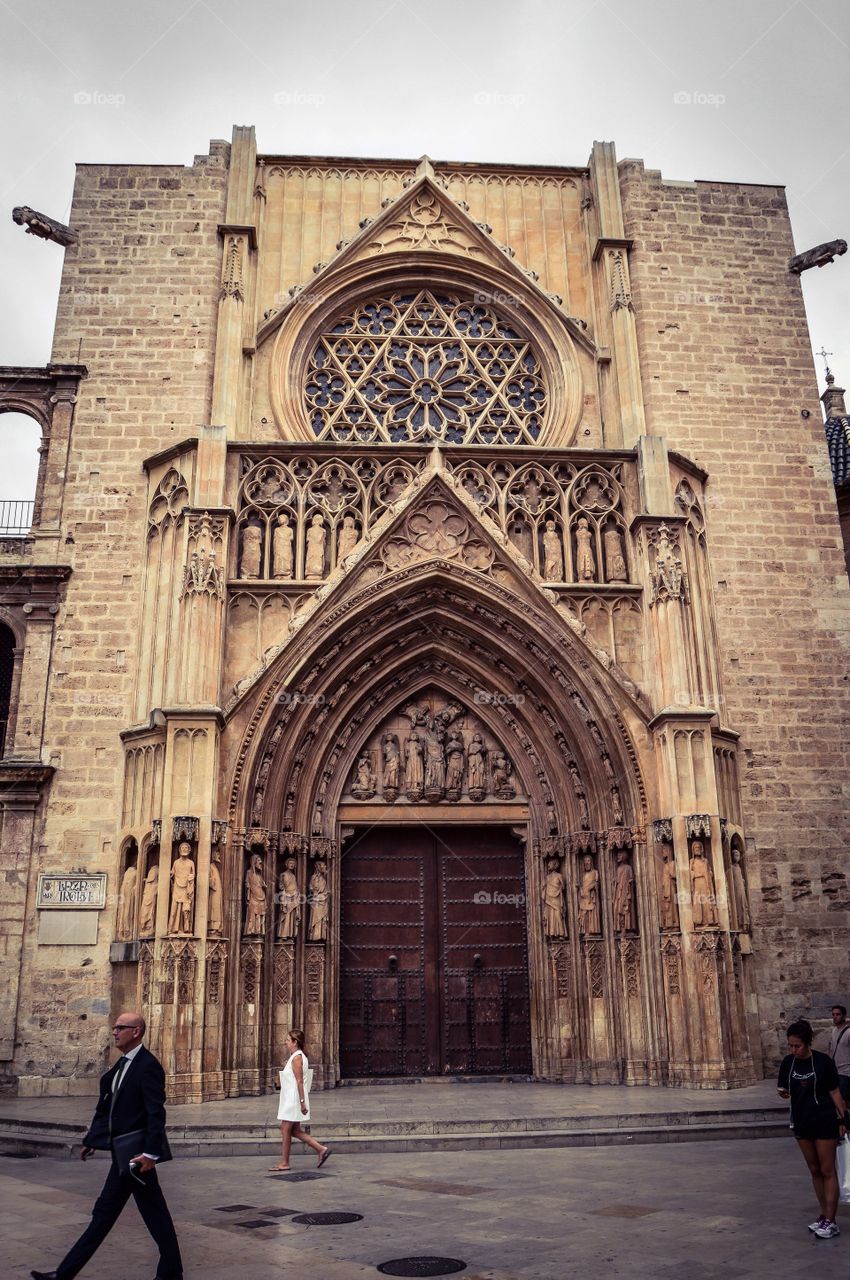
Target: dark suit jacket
{"x": 139, "y": 1104}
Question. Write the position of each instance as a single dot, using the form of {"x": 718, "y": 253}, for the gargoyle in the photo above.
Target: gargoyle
{"x": 38, "y": 224}
{"x": 817, "y": 257}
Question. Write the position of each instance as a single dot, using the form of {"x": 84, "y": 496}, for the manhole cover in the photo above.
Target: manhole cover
{"x": 300, "y": 1177}
{"x": 329, "y": 1220}
{"x": 422, "y": 1266}
{"x": 233, "y": 1208}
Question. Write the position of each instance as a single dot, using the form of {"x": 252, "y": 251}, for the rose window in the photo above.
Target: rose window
{"x": 425, "y": 367}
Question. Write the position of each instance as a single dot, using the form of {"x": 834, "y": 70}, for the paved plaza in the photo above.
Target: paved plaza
{"x": 733, "y": 1210}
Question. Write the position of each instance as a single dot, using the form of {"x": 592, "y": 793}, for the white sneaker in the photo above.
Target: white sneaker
{"x": 827, "y": 1230}
{"x": 813, "y": 1226}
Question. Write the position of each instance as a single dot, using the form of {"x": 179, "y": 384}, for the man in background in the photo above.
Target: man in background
{"x": 839, "y": 1048}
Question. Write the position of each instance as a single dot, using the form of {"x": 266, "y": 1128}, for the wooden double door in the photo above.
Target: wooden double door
{"x": 434, "y": 956}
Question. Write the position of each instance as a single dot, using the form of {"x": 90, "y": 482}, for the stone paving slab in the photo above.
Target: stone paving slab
{"x": 717, "y": 1211}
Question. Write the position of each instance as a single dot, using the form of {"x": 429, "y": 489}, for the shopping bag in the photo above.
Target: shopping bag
{"x": 844, "y": 1170}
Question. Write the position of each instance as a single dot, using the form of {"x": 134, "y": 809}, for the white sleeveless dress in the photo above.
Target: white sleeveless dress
{"x": 290, "y": 1103}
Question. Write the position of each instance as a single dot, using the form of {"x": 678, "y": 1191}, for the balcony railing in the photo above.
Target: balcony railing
{"x": 15, "y": 517}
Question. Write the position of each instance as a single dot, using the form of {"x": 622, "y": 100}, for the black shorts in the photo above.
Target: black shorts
{"x": 818, "y": 1129}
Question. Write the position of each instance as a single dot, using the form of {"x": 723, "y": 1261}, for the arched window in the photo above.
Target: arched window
{"x": 7, "y": 671}
{"x": 422, "y": 366}
{"x": 21, "y": 438}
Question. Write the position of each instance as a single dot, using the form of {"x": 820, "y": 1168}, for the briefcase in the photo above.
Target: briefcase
{"x": 125, "y": 1146}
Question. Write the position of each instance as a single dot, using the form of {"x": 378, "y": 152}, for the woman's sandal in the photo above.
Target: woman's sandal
{"x": 280, "y": 1168}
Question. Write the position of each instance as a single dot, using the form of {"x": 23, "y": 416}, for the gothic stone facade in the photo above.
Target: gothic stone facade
{"x": 432, "y": 631}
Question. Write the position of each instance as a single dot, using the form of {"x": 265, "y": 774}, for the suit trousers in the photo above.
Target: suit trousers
{"x": 107, "y": 1209}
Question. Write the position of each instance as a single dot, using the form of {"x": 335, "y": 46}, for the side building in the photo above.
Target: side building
{"x": 431, "y": 631}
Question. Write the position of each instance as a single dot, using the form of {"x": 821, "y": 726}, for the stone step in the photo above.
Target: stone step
{"x": 33, "y": 1140}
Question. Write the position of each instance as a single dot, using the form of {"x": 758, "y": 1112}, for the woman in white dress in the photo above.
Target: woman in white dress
{"x": 295, "y": 1079}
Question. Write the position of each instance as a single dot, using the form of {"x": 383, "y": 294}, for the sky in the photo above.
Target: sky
{"x": 731, "y": 90}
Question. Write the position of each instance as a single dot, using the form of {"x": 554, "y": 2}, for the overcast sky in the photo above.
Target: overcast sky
{"x": 736, "y": 90}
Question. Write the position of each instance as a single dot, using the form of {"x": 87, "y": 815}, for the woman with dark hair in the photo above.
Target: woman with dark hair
{"x": 295, "y": 1080}
{"x": 818, "y": 1118}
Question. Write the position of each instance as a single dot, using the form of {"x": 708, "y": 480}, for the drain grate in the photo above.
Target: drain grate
{"x": 18, "y": 1155}
{"x": 424, "y": 1265}
{"x": 234, "y": 1208}
{"x": 300, "y": 1177}
{"x": 278, "y": 1213}
{"x": 326, "y": 1219}
{"x": 252, "y": 1223}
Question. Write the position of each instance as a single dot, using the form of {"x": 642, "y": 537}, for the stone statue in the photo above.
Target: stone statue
{"x": 585, "y": 562}
{"x": 669, "y": 903}
{"x": 290, "y": 901}
{"x": 252, "y": 551}
{"x": 215, "y": 915}
{"x": 319, "y": 898}
{"x": 501, "y": 770}
{"x": 349, "y": 537}
{"x": 520, "y": 535}
{"x": 256, "y": 902}
{"x": 554, "y": 901}
{"x": 702, "y": 888}
{"x": 435, "y": 765}
{"x": 455, "y": 764}
{"x": 615, "y": 563}
{"x": 363, "y": 786}
{"x": 392, "y": 765}
{"x": 589, "y": 921}
{"x": 147, "y": 913}
{"x": 282, "y": 548}
{"x": 553, "y": 554}
{"x": 127, "y": 904}
{"x": 314, "y": 565}
{"x": 414, "y": 767}
{"x": 739, "y": 890}
{"x": 476, "y": 759}
{"x": 624, "y": 894}
{"x": 182, "y": 890}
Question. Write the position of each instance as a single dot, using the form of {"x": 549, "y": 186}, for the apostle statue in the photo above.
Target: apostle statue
{"x": 554, "y": 901}
{"x": 624, "y": 894}
{"x": 182, "y": 890}
{"x": 290, "y": 901}
{"x": 553, "y": 554}
{"x": 739, "y": 891}
{"x": 392, "y": 765}
{"x": 363, "y": 786}
{"x": 435, "y": 765}
{"x": 252, "y": 551}
{"x": 476, "y": 761}
{"x": 314, "y": 565}
{"x": 282, "y": 548}
{"x": 589, "y": 919}
{"x": 256, "y": 901}
{"x": 455, "y": 764}
{"x": 702, "y": 888}
{"x": 414, "y": 766}
{"x": 349, "y": 536}
{"x": 215, "y": 913}
{"x": 585, "y": 561}
{"x": 147, "y": 912}
{"x": 319, "y": 899}
{"x": 615, "y": 563}
{"x": 669, "y": 901}
{"x": 127, "y": 904}
{"x": 501, "y": 769}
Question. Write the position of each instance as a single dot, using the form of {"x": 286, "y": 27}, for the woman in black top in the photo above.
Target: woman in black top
{"x": 818, "y": 1118}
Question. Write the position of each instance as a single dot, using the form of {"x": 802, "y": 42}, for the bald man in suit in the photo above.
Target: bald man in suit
{"x": 131, "y": 1102}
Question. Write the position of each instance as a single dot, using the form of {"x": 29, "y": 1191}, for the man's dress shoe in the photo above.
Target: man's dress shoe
{"x": 43, "y": 1275}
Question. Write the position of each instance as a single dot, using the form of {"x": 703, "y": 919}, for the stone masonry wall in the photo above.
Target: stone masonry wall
{"x": 138, "y": 306}
{"x": 727, "y": 369}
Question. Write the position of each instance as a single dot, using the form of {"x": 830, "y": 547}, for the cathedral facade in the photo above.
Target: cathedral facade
{"x": 432, "y": 631}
